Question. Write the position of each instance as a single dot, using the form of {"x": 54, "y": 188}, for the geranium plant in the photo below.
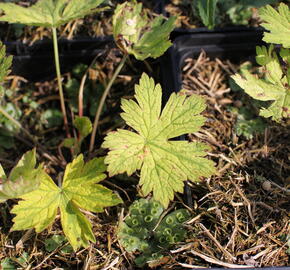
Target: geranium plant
{"x": 164, "y": 164}
{"x": 274, "y": 86}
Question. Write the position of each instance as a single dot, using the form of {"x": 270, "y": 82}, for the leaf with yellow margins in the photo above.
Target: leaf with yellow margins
{"x": 39, "y": 208}
{"x": 164, "y": 164}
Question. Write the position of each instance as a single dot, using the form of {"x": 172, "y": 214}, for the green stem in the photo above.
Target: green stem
{"x": 102, "y": 101}
{"x": 58, "y": 74}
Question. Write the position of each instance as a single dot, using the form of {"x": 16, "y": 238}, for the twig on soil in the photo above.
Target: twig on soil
{"x": 117, "y": 187}
{"x": 247, "y": 202}
{"x": 218, "y": 262}
{"x": 88, "y": 259}
{"x": 24, "y": 238}
{"x": 226, "y": 253}
{"x": 186, "y": 265}
{"x": 112, "y": 264}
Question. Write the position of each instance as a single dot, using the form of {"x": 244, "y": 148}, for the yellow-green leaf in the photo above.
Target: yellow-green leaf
{"x": 164, "y": 164}
{"x": 277, "y": 23}
{"x": 49, "y": 13}
{"x": 38, "y": 208}
{"x": 23, "y": 178}
{"x": 266, "y": 91}
{"x": 273, "y": 87}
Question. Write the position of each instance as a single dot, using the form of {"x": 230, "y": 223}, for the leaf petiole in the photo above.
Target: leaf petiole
{"x": 103, "y": 99}
{"x": 58, "y": 74}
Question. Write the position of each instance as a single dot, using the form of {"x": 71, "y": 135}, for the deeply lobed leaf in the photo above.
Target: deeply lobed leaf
{"x": 274, "y": 87}
{"x": 48, "y": 13}
{"x": 38, "y": 208}
{"x": 277, "y": 23}
{"x": 164, "y": 164}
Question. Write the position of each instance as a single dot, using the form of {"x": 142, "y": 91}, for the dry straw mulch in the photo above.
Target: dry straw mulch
{"x": 242, "y": 215}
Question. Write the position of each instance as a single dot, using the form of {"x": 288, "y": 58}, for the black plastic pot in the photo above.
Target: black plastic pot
{"x": 36, "y": 62}
{"x": 235, "y": 46}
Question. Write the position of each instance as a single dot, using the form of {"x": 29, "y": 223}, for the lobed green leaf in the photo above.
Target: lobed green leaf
{"x": 274, "y": 87}
{"x": 38, "y": 208}
{"x": 277, "y": 23}
{"x": 164, "y": 164}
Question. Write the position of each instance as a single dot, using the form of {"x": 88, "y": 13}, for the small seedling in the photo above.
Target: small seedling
{"x": 249, "y": 127}
{"x": 143, "y": 232}
{"x": 5, "y": 63}
{"x": 84, "y": 126}
{"x": 7, "y": 264}
{"x": 212, "y": 12}
{"x": 248, "y": 124}
{"x": 57, "y": 241}
{"x": 136, "y": 34}
{"x": 207, "y": 12}
{"x": 12, "y": 263}
{"x": 51, "y": 118}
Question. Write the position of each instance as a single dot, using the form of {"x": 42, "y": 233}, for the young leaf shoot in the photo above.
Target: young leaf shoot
{"x": 135, "y": 34}
{"x": 164, "y": 164}
{"x": 207, "y": 12}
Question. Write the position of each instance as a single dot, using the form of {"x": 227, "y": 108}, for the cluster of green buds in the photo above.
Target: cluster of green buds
{"x": 144, "y": 231}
